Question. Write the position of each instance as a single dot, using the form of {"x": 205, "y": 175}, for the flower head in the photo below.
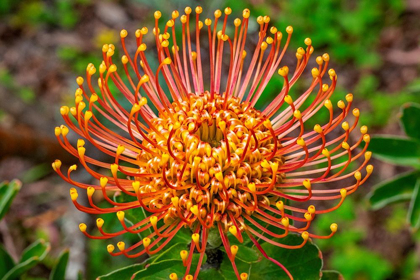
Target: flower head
{"x": 193, "y": 151}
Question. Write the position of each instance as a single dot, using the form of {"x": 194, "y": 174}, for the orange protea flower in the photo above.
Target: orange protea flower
{"x": 200, "y": 155}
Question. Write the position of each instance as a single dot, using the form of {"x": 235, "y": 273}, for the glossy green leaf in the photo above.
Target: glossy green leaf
{"x": 414, "y": 209}
{"x": 32, "y": 255}
{"x": 8, "y": 191}
{"x": 398, "y": 188}
{"x": 6, "y": 261}
{"x": 161, "y": 270}
{"x": 410, "y": 119}
{"x": 59, "y": 270}
{"x": 123, "y": 273}
{"x": 397, "y": 150}
{"x": 304, "y": 263}
{"x": 331, "y": 275}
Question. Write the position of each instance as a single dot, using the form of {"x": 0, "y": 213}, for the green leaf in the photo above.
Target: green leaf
{"x": 123, "y": 273}
{"x": 8, "y": 191}
{"x": 32, "y": 255}
{"x": 413, "y": 216}
{"x": 59, "y": 270}
{"x": 410, "y": 119}
{"x": 161, "y": 270}
{"x": 304, "y": 263}
{"x": 397, "y": 150}
{"x": 331, "y": 275}
{"x": 6, "y": 261}
{"x": 395, "y": 189}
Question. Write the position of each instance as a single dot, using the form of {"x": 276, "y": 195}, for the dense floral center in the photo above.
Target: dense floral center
{"x": 215, "y": 156}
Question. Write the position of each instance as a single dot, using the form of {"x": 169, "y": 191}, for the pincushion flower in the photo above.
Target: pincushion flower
{"x": 192, "y": 150}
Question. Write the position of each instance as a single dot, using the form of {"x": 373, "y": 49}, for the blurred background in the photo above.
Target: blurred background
{"x": 374, "y": 46}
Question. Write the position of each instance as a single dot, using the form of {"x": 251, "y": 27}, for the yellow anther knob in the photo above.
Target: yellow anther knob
{"x": 297, "y": 114}
{"x": 56, "y": 165}
{"x": 194, "y": 210}
{"x": 315, "y": 72}
{"x": 319, "y": 60}
{"x": 334, "y": 227}
{"x": 146, "y": 242}
{"x": 219, "y": 176}
{"x": 175, "y": 201}
{"x": 157, "y": 14}
{"x": 64, "y": 110}
{"x": 184, "y": 254}
{"x": 73, "y": 167}
{"x": 318, "y": 128}
{"x": 252, "y": 187}
{"x": 311, "y": 209}
{"x": 120, "y": 149}
{"x": 99, "y": 222}
{"x": 358, "y": 175}
{"x": 364, "y": 129}
{"x": 345, "y": 145}
{"x": 308, "y": 216}
{"x": 300, "y": 142}
{"x": 234, "y": 250}
{"x": 325, "y": 152}
{"x": 285, "y": 222}
{"x": 288, "y": 99}
{"x": 198, "y": 9}
{"x": 233, "y": 230}
{"x": 369, "y": 168}
{"x": 325, "y": 87}
{"x": 308, "y": 41}
{"x": 341, "y": 104}
{"x": 207, "y": 22}
{"x": 82, "y": 227}
{"x": 112, "y": 68}
{"x": 325, "y": 57}
{"x": 90, "y": 191}
{"x": 289, "y": 30}
{"x": 345, "y": 126}
{"x": 123, "y": 33}
{"x": 280, "y": 205}
{"x": 244, "y": 276}
{"x": 120, "y": 215}
{"x": 349, "y": 97}
{"x": 142, "y": 47}
{"x": 103, "y": 181}
{"x": 305, "y": 235}
{"x": 366, "y": 138}
{"x": 121, "y": 246}
{"x": 173, "y": 276}
{"x": 283, "y": 71}
{"x": 195, "y": 237}
{"x": 114, "y": 168}
{"x": 57, "y": 131}
{"x": 328, "y": 104}
{"x": 246, "y": 13}
{"x": 73, "y": 194}
{"x": 188, "y": 10}
{"x": 110, "y": 248}
{"x": 189, "y": 277}
{"x": 153, "y": 220}
{"x": 356, "y": 112}
{"x": 136, "y": 186}
{"x": 307, "y": 184}
{"x": 343, "y": 192}
{"x": 368, "y": 155}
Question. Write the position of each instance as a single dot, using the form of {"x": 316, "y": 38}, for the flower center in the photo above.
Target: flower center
{"x": 217, "y": 156}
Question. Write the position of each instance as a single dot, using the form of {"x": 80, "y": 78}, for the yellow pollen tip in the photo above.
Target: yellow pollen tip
{"x": 175, "y": 14}
{"x": 56, "y": 165}
{"x": 280, "y": 205}
{"x": 173, "y": 276}
{"x": 358, "y": 175}
{"x": 114, "y": 169}
{"x": 73, "y": 194}
{"x": 311, "y": 209}
{"x": 121, "y": 246}
{"x": 305, "y": 235}
{"x": 315, "y": 72}
{"x": 244, "y": 276}
{"x": 103, "y": 181}
{"x": 328, "y": 104}
{"x": 82, "y": 227}
{"x": 345, "y": 126}
{"x": 57, "y": 131}
{"x": 110, "y": 248}
{"x": 112, "y": 68}
{"x": 319, "y": 60}
{"x": 246, "y": 13}
{"x": 300, "y": 142}
{"x": 345, "y": 145}
{"x": 194, "y": 210}
{"x": 356, "y": 112}
{"x": 325, "y": 87}
{"x": 184, "y": 255}
{"x": 369, "y": 168}
{"x": 283, "y": 71}
{"x": 167, "y": 61}
{"x": 341, "y": 104}
{"x": 99, "y": 222}
{"x": 64, "y": 130}
{"x": 73, "y": 167}
{"x": 326, "y": 57}
{"x": 123, "y": 33}
{"x": 142, "y": 47}
{"x": 364, "y": 129}
{"x": 153, "y": 220}
{"x": 297, "y": 114}
{"x": 175, "y": 201}
{"x": 64, "y": 110}
{"x": 318, "y": 128}
{"x": 198, "y": 9}
{"x": 349, "y": 97}
{"x": 233, "y": 230}
{"x": 285, "y": 222}
{"x": 308, "y": 41}
{"x": 288, "y": 99}
{"x": 366, "y": 138}
{"x": 195, "y": 238}
{"x": 120, "y": 215}
{"x": 146, "y": 242}
{"x": 234, "y": 250}
{"x": 90, "y": 191}
{"x": 189, "y": 277}
{"x": 343, "y": 193}
{"x": 136, "y": 186}
{"x": 267, "y": 123}
{"x": 333, "y": 227}
{"x": 289, "y": 30}
{"x": 307, "y": 184}
{"x": 157, "y": 15}
{"x": 219, "y": 176}
{"x": 368, "y": 155}
{"x": 308, "y": 216}
{"x": 120, "y": 149}
{"x": 251, "y": 187}
{"x": 207, "y": 22}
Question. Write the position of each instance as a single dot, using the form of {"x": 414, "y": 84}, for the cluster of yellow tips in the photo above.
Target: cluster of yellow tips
{"x": 196, "y": 153}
